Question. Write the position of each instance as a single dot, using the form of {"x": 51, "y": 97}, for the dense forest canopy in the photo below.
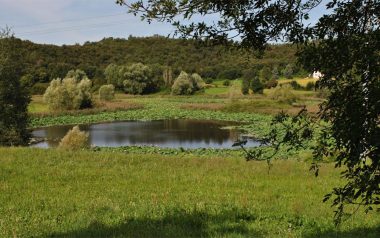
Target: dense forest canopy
{"x": 46, "y": 62}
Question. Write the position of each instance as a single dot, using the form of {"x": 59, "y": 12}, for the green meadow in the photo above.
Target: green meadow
{"x": 53, "y": 193}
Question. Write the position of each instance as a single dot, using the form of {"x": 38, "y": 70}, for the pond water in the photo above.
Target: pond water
{"x": 162, "y": 133}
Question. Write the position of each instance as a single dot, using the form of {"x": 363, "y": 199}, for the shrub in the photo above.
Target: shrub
{"x": 75, "y": 139}
{"x": 295, "y": 85}
{"x": 68, "y": 94}
{"x": 226, "y": 82}
{"x": 283, "y": 93}
{"x": 209, "y": 80}
{"x": 271, "y": 83}
{"x": 245, "y": 86}
{"x": 183, "y": 85}
{"x": 198, "y": 82}
{"x": 257, "y": 86}
{"x": 107, "y": 92}
{"x": 310, "y": 86}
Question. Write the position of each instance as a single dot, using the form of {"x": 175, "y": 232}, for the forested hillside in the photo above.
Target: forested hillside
{"x": 46, "y": 62}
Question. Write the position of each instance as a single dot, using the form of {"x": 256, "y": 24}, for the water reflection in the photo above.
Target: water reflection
{"x": 164, "y": 133}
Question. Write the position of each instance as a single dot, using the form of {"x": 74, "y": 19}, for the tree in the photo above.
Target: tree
{"x": 265, "y": 74}
{"x": 68, "y": 94}
{"x": 107, "y": 92}
{"x": 275, "y": 73}
{"x": 183, "y": 85}
{"x": 77, "y": 74}
{"x": 344, "y": 45}
{"x": 288, "y": 71}
{"x": 245, "y": 86}
{"x": 257, "y": 86}
{"x": 14, "y": 97}
{"x": 113, "y": 75}
{"x": 138, "y": 79}
{"x": 198, "y": 82}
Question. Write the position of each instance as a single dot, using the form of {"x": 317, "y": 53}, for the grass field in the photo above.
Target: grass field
{"x": 153, "y": 192}
{"x": 51, "y": 193}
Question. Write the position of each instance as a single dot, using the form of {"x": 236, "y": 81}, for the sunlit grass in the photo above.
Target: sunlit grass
{"x": 47, "y": 193}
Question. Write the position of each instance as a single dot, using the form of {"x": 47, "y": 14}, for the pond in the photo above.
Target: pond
{"x": 188, "y": 134}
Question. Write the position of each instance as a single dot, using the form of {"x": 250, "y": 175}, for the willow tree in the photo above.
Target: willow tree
{"x": 344, "y": 44}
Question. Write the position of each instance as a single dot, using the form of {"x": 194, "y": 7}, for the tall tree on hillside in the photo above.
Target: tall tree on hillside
{"x": 344, "y": 45}
{"x": 14, "y": 97}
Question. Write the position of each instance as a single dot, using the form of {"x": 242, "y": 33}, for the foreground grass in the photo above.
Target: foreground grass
{"x": 51, "y": 193}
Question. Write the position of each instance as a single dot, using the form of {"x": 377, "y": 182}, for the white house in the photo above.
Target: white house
{"x": 317, "y": 75}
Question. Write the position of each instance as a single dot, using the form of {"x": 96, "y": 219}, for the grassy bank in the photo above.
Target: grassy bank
{"x": 46, "y": 193}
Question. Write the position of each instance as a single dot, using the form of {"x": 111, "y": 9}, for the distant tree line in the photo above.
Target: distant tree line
{"x": 43, "y": 63}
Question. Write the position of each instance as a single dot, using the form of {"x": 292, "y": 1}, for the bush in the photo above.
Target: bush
{"x": 75, "y": 139}
{"x": 107, "y": 92}
{"x": 295, "y": 85}
{"x": 257, "y": 86}
{"x": 310, "y": 86}
{"x": 198, "y": 82}
{"x": 271, "y": 83}
{"x": 283, "y": 93}
{"x": 183, "y": 85}
{"x": 209, "y": 80}
{"x": 245, "y": 86}
{"x": 68, "y": 94}
{"x": 226, "y": 83}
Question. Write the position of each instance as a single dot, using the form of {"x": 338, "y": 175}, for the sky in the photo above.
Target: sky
{"x": 75, "y": 21}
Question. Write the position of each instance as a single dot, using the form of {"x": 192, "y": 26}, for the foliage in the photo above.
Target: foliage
{"x": 230, "y": 74}
{"x": 265, "y": 74}
{"x": 75, "y": 139}
{"x": 198, "y": 82}
{"x": 45, "y": 62}
{"x": 283, "y": 93}
{"x": 295, "y": 85}
{"x": 113, "y": 75}
{"x": 68, "y": 94}
{"x": 14, "y": 97}
{"x": 257, "y": 86}
{"x": 107, "y": 92}
{"x": 271, "y": 83}
{"x": 187, "y": 84}
{"x": 39, "y": 88}
{"x": 226, "y": 83}
{"x": 138, "y": 79}
{"x": 288, "y": 71}
{"x": 183, "y": 85}
{"x": 310, "y": 86}
{"x": 77, "y": 74}
{"x": 245, "y": 86}
{"x": 275, "y": 73}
